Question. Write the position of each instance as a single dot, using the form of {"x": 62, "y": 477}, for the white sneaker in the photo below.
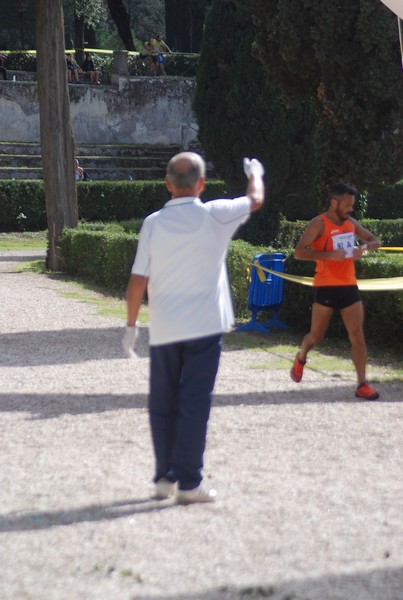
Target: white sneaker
{"x": 197, "y": 494}
{"x": 163, "y": 489}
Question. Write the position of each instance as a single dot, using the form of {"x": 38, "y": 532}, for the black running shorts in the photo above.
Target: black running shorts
{"x": 335, "y": 296}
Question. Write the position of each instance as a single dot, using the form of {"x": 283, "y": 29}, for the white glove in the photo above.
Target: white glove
{"x": 129, "y": 340}
{"x": 253, "y": 167}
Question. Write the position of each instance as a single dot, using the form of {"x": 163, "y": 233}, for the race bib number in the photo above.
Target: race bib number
{"x": 344, "y": 241}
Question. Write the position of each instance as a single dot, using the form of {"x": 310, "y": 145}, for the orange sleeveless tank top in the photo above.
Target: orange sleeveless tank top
{"x": 334, "y": 237}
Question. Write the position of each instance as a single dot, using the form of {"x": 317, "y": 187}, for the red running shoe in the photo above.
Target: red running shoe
{"x": 366, "y": 392}
{"x": 297, "y": 369}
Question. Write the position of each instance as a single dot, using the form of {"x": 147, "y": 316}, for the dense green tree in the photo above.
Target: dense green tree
{"x": 147, "y": 18}
{"x": 87, "y": 16}
{"x": 239, "y": 114}
{"x": 17, "y": 30}
{"x": 90, "y": 22}
{"x": 345, "y": 56}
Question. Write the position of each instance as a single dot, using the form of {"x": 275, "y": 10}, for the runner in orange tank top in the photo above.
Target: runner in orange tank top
{"x": 329, "y": 240}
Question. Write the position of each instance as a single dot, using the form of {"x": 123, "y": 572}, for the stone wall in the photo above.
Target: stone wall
{"x": 143, "y": 110}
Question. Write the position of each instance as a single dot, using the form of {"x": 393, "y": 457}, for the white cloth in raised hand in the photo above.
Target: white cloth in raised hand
{"x": 129, "y": 340}
{"x": 253, "y": 167}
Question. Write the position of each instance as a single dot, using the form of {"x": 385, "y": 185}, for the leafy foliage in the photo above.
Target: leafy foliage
{"x": 147, "y": 18}
{"x": 20, "y": 61}
{"x": 345, "y": 56}
{"x": 104, "y": 257}
{"x": 386, "y": 202}
{"x": 90, "y": 11}
{"x": 17, "y": 24}
{"x": 240, "y": 114}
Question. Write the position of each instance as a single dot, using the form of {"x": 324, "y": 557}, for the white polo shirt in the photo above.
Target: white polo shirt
{"x": 182, "y": 249}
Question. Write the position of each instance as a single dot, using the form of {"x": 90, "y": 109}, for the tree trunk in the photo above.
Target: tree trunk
{"x": 57, "y": 140}
{"x": 79, "y": 27}
{"x": 121, "y": 19}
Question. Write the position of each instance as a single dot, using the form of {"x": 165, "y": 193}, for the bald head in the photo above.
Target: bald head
{"x": 185, "y": 170}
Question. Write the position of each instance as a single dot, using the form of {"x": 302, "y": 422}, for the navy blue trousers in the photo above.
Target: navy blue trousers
{"x": 181, "y": 385}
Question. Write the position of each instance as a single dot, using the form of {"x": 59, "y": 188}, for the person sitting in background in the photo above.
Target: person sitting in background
{"x": 73, "y": 68}
{"x": 2, "y": 67}
{"x": 89, "y": 68}
{"x": 79, "y": 171}
{"x": 152, "y": 55}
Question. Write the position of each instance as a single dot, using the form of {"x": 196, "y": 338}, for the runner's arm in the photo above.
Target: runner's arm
{"x": 371, "y": 241}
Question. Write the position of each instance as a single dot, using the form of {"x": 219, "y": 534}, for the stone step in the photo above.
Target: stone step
{"x": 163, "y": 152}
{"x": 21, "y": 75}
{"x": 30, "y": 148}
{"x": 149, "y": 174}
{"x": 27, "y": 148}
{"x": 100, "y": 161}
{"x": 111, "y": 162}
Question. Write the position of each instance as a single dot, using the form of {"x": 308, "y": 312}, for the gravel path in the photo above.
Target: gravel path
{"x": 309, "y": 479}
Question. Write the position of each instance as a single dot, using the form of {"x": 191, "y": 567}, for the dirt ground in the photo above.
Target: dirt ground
{"x": 309, "y": 478}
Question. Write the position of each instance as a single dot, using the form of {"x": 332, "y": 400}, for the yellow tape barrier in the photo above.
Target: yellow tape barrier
{"x": 367, "y": 285}
{"x": 392, "y": 248}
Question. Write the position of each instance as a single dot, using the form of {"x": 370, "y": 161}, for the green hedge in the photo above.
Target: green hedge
{"x": 25, "y": 197}
{"x": 105, "y": 256}
{"x": 122, "y": 200}
{"x": 177, "y": 64}
{"x": 119, "y": 200}
{"x": 97, "y": 200}
{"x": 386, "y": 202}
{"x": 20, "y": 61}
{"x": 390, "y": 231}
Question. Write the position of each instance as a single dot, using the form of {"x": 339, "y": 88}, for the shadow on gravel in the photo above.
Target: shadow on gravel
{"x": 32, "y": 521}
{"x": 65, "y": 346}
{"x": 376, "y": 584}
{"x": 26, "y": 258}
{"x": 51, "y": 406}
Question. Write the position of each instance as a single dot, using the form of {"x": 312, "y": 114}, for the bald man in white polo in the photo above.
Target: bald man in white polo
{"x": 181, "y": 261}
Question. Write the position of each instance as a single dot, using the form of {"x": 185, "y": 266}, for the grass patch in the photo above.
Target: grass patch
{"x": 332, "y": 357}
{"x": 106, "y": 306}
{"x": 37, "y": 266}
{"x": 36, "y": 240}
{"x": 271, "y": 365}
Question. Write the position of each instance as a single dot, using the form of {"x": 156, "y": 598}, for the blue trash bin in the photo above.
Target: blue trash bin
{"x": 265, "y": 296}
